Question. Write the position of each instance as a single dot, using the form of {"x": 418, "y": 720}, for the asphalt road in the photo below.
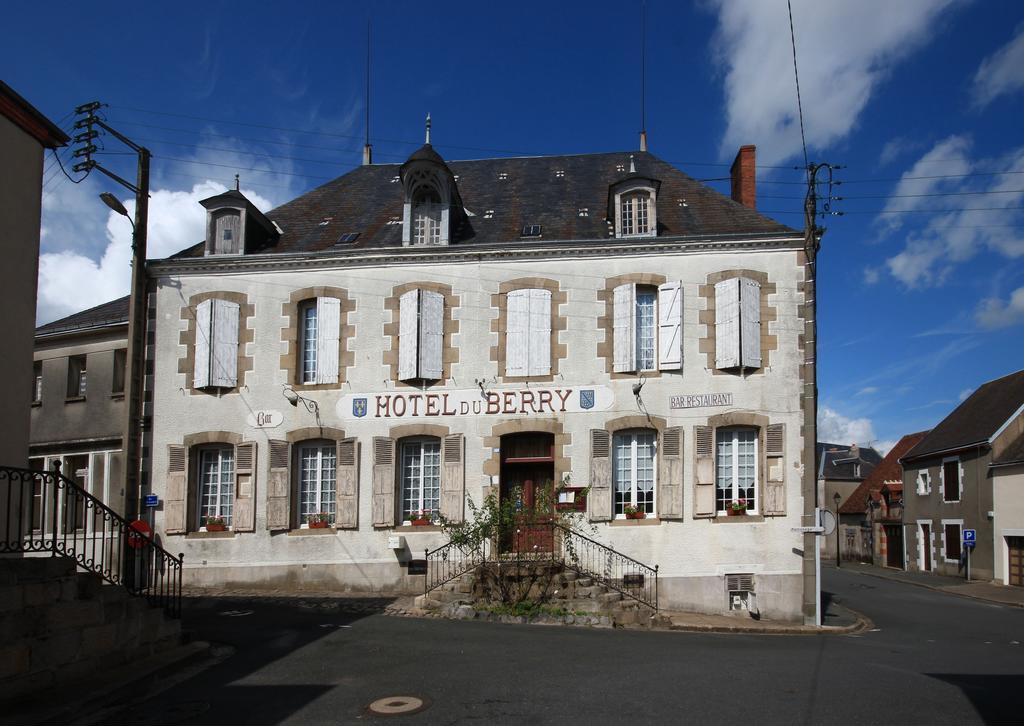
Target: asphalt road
{"x": 934, "y": 658}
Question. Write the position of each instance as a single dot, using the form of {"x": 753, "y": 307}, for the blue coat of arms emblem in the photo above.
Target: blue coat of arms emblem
{"x": 358, "y": 407}
{"x": 587, "y": 399}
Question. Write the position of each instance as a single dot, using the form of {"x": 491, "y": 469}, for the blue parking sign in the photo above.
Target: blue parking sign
{"x": 970, "y": 537}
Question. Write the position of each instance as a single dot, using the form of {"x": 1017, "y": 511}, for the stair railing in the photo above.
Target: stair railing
{"x": 616, "y": 571}
{"x": 450, "y": 561}
{"x": 44, "y": 511}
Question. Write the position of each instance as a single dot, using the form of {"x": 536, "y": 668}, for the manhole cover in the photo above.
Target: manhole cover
{"x": 397, "y": 705}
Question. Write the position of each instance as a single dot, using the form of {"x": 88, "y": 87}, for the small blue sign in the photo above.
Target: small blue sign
{"x": 152, "y": 500}
{"x": 359, "y": 407}
{"x": 587, "y": 399}
{"x": 970, "y": 537}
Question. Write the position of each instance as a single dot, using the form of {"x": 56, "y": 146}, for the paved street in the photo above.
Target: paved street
{"x": 933, "y": 658}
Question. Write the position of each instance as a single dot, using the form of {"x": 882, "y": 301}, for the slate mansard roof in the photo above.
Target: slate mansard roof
{"x": 974, "y": 421}
{"x": 889, "y": 470}
{"x": 837, "y": 462}
{"x": 566, "y": 195}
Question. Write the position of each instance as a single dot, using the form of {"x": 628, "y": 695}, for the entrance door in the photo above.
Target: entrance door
{"x": 527, "y": 481}
{"x": 1015, "y": 550}
{"x": 925, "y": 548}
{"x": 894, "y": 545}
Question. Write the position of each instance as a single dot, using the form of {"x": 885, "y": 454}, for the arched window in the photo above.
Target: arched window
{"x": 634, "y": 213}
{"x": 426, "y": 217}
{"x": 316, "y": 464}
{"x": 736, "y": 469}
{"x": 633, "y": 471}
{"x": 420, "y": 476}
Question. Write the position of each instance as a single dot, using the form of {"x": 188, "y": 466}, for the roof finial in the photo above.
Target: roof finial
{"x": 632, "y": 165}
{"x": 236, "y": 182}
{"x": 428, "y": 127}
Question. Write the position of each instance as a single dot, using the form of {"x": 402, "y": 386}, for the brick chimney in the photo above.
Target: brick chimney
{"x": 744, "y": 177}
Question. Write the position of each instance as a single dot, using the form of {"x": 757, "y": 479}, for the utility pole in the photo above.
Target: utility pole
{"x": 134, "y": 377}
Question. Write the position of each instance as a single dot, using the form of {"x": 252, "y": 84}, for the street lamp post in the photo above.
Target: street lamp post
{"x": 837, "y": 498}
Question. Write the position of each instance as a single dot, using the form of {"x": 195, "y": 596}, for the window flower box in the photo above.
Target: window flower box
{"x": 420, "y": 519}
{"x": 632, "y": 512}
{"x": 321, "y": 520}
{"x": 738, "y": 508}
{"x": 215, "y": 524}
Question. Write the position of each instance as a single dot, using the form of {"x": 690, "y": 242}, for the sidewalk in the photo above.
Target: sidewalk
{"x": 978, "y": 589}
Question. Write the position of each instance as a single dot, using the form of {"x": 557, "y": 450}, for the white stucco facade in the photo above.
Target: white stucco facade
{"x": 1008, "y": 518}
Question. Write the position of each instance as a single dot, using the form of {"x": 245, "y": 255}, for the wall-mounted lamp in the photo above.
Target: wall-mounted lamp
{"x": 310, "y": 405}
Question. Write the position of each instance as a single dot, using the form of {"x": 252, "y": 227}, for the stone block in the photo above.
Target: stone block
{"x": 12, "y": 597}
{"x": 113, "y": 593}
{"x": 99, "y": 639}
{"x": 89, "y": 585}
{"x": 464, "y": 612}
{"x": 585, "y": 581}
{"x": 41, "y": 593}
{"x": 15, "y": 660}
{"x": 17, "y": 624}
{"x": 465, "y": 587}
{"x": 128, "y": 628}
{"x": 20, "y": 686}
{"x": 569, "y": 576}
{"x": 608, "y": 598}
{"x": 56, "y": 650}
{"x": 70, "y": 615}
{"x": 68, "y": 589}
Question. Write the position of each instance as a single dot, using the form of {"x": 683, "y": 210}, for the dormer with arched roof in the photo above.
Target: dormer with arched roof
{"x": 633, "y": 204}
{"x": 432, "y": 205}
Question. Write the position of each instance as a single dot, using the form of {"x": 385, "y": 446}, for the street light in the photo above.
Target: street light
{"x": 836, "y": 498}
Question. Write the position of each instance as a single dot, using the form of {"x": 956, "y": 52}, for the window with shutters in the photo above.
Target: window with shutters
{"x": 924, "y": 482}
{"x": 421, "y": 335}
{"x": 528, "y": 333}
{"x": 952, "y": 533}
{"x": 77, "y": 377}
{"x": 316, "y": 475}
{"x": 216, "y": 344}
{"x": 951, "y": 480}
{"x": 633, "y": 471}
{"x": 37, "y": 382}
{"x": 647, "y": 327}
{"x": 420, "y": 476}
{"x": 736, "y": 468}
{"x": 319, "y": 340}
{"x": 215, "y": 479}
{"x": 737, "y": 323}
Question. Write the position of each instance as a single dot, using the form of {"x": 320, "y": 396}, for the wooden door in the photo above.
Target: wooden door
{"x": 926, "y": 547}
{"x": 1015, "y": 549}
{"x": 894, "y": 545}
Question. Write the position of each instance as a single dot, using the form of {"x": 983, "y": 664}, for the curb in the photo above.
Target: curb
{"x": 863, "y": 623}
{"x": 938, "y": 588}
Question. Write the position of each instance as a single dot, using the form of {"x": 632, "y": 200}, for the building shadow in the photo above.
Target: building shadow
{"x": 996, "y": 697}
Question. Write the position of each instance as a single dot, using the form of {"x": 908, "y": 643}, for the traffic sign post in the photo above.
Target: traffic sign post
{"x": 970, "y": 538}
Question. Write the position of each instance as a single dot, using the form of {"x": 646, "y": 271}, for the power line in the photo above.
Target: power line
{"x": 902, "y": 196}
{"x": 901, "y": 211}
{"x": 796, "y": 75}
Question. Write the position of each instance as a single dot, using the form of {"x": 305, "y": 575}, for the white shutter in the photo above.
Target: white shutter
{"x": 670, "y": 326}
{"x": 431, "y": 334}
{"x": 540, "y": 333}
{"x": 624, "y": 355}
{"x": 517, "y": 329}
{"x": 224, "y": 371}
{"x": 408, "y": 334}
{"x": 328, "y": 323}
{"x": 201, "y": 369}
{"x": 750, "y": 320}
{"x": 727, "y": 323}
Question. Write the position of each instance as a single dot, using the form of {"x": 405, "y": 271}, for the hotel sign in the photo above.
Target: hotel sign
{"x": 474, "y": 402}
{"x": 701, "y": 400}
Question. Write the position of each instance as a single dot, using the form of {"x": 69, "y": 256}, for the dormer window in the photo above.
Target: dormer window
{"x": 227, "y": 225}
{"x": 633, "y": 206}
{"x": 234, "y": 226}
{"x": 426, "y": 216}
{"x": 633, "y": 213}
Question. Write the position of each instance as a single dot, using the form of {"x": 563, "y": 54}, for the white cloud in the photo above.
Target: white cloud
{"x": 70, "y": 281}
{"x": 835, "y": 428}
{"x": 994, "y": 313}
{"x": 964, "y": 394}
{"x": 867, "y": 391}
{"x": 844, "y": 50}
{"x": 884, "y": 446}
{"x": 1000, "y": 73}
{"x": 872, "y": 275}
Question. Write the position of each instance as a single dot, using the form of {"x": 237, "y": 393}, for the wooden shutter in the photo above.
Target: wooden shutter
{"x": 278, "y": 487}
{"x": 224, "y": 369}
{"x": 750, "y": 322}
{"x": 408, "y": 334}
{"x": 704, "y": 465}
{"x": 175, "y": 518}
{"x": 243, "y": 518}
{"x": 453, "y": 477}
{"x": 670, "y": 474}
{"x": 328, "y": 332}
{"x": 600, "y": 475}
{"x": 347, "y": 483}
{"x": 670, "y": 326}
{"x": 624, "y": 354}
{"x": 202, "y": 348}
{"x": 775, "y": 481}
{"x": 431, "y": 334}
{"x": 517, "y": 330}
{"x": 383, "y": 482}
{"x": 727, "y": 323}
{"x": 539, "y": 335}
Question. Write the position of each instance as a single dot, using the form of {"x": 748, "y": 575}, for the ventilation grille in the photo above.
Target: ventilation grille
{"x": 347, "y": 453}
{"x": 278, "y": 454}
{"x": 452, "y": 449}
{"x": 383, "y": 452}
{"x": 670, "y": 442}
{"x": 774, "y": 439}
{"x": 741, "y": 582}
{"x": 243, "y": 456}
{"x": 703, "y": 441}
{"x": 176, "y": 459}
{"x": 600, "y": 444}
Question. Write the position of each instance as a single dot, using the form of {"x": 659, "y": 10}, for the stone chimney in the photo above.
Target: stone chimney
{"x": 744, "y": 177}
{"x": 854, "y": 451}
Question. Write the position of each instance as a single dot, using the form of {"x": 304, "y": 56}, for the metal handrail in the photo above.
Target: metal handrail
{"x": 447, "y": 567}
{"x": 44, "y": 511}
{"x": 617, "y": 571}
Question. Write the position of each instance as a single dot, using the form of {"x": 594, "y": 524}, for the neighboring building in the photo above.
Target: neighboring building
{"x": 24, "y": 135}
{"x": 948, "y": 482}
{"x": 1007, "y": 472}
{"x": 877, "y": 504}
{"x": 446, "y": 330}
{"x": 78, "y": 399}
{"x": 841, "y": 469}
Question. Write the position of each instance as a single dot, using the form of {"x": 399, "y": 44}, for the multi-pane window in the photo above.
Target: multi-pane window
{"x": 951, "y": 480}
{"x": 421, "y": 476}
{"x": 216, "y": 484}
{"x": 634, "y": 213}
{"x": 37, "y": 382}
{"x": 736, "y": 468}
{"x": 317, "y": 481}
{"x": 633, "y": 471}
{"x": 309, "y": 338}
{"x": 646, "y": 329}
{"x": 426, "y": 219}
{"x": 76, "y": 376}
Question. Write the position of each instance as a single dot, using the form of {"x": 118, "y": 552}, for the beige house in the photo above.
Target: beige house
{"x": 409, "y": 337}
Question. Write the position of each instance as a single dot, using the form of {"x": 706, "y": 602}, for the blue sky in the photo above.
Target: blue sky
{"x": 921, "y": 281}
